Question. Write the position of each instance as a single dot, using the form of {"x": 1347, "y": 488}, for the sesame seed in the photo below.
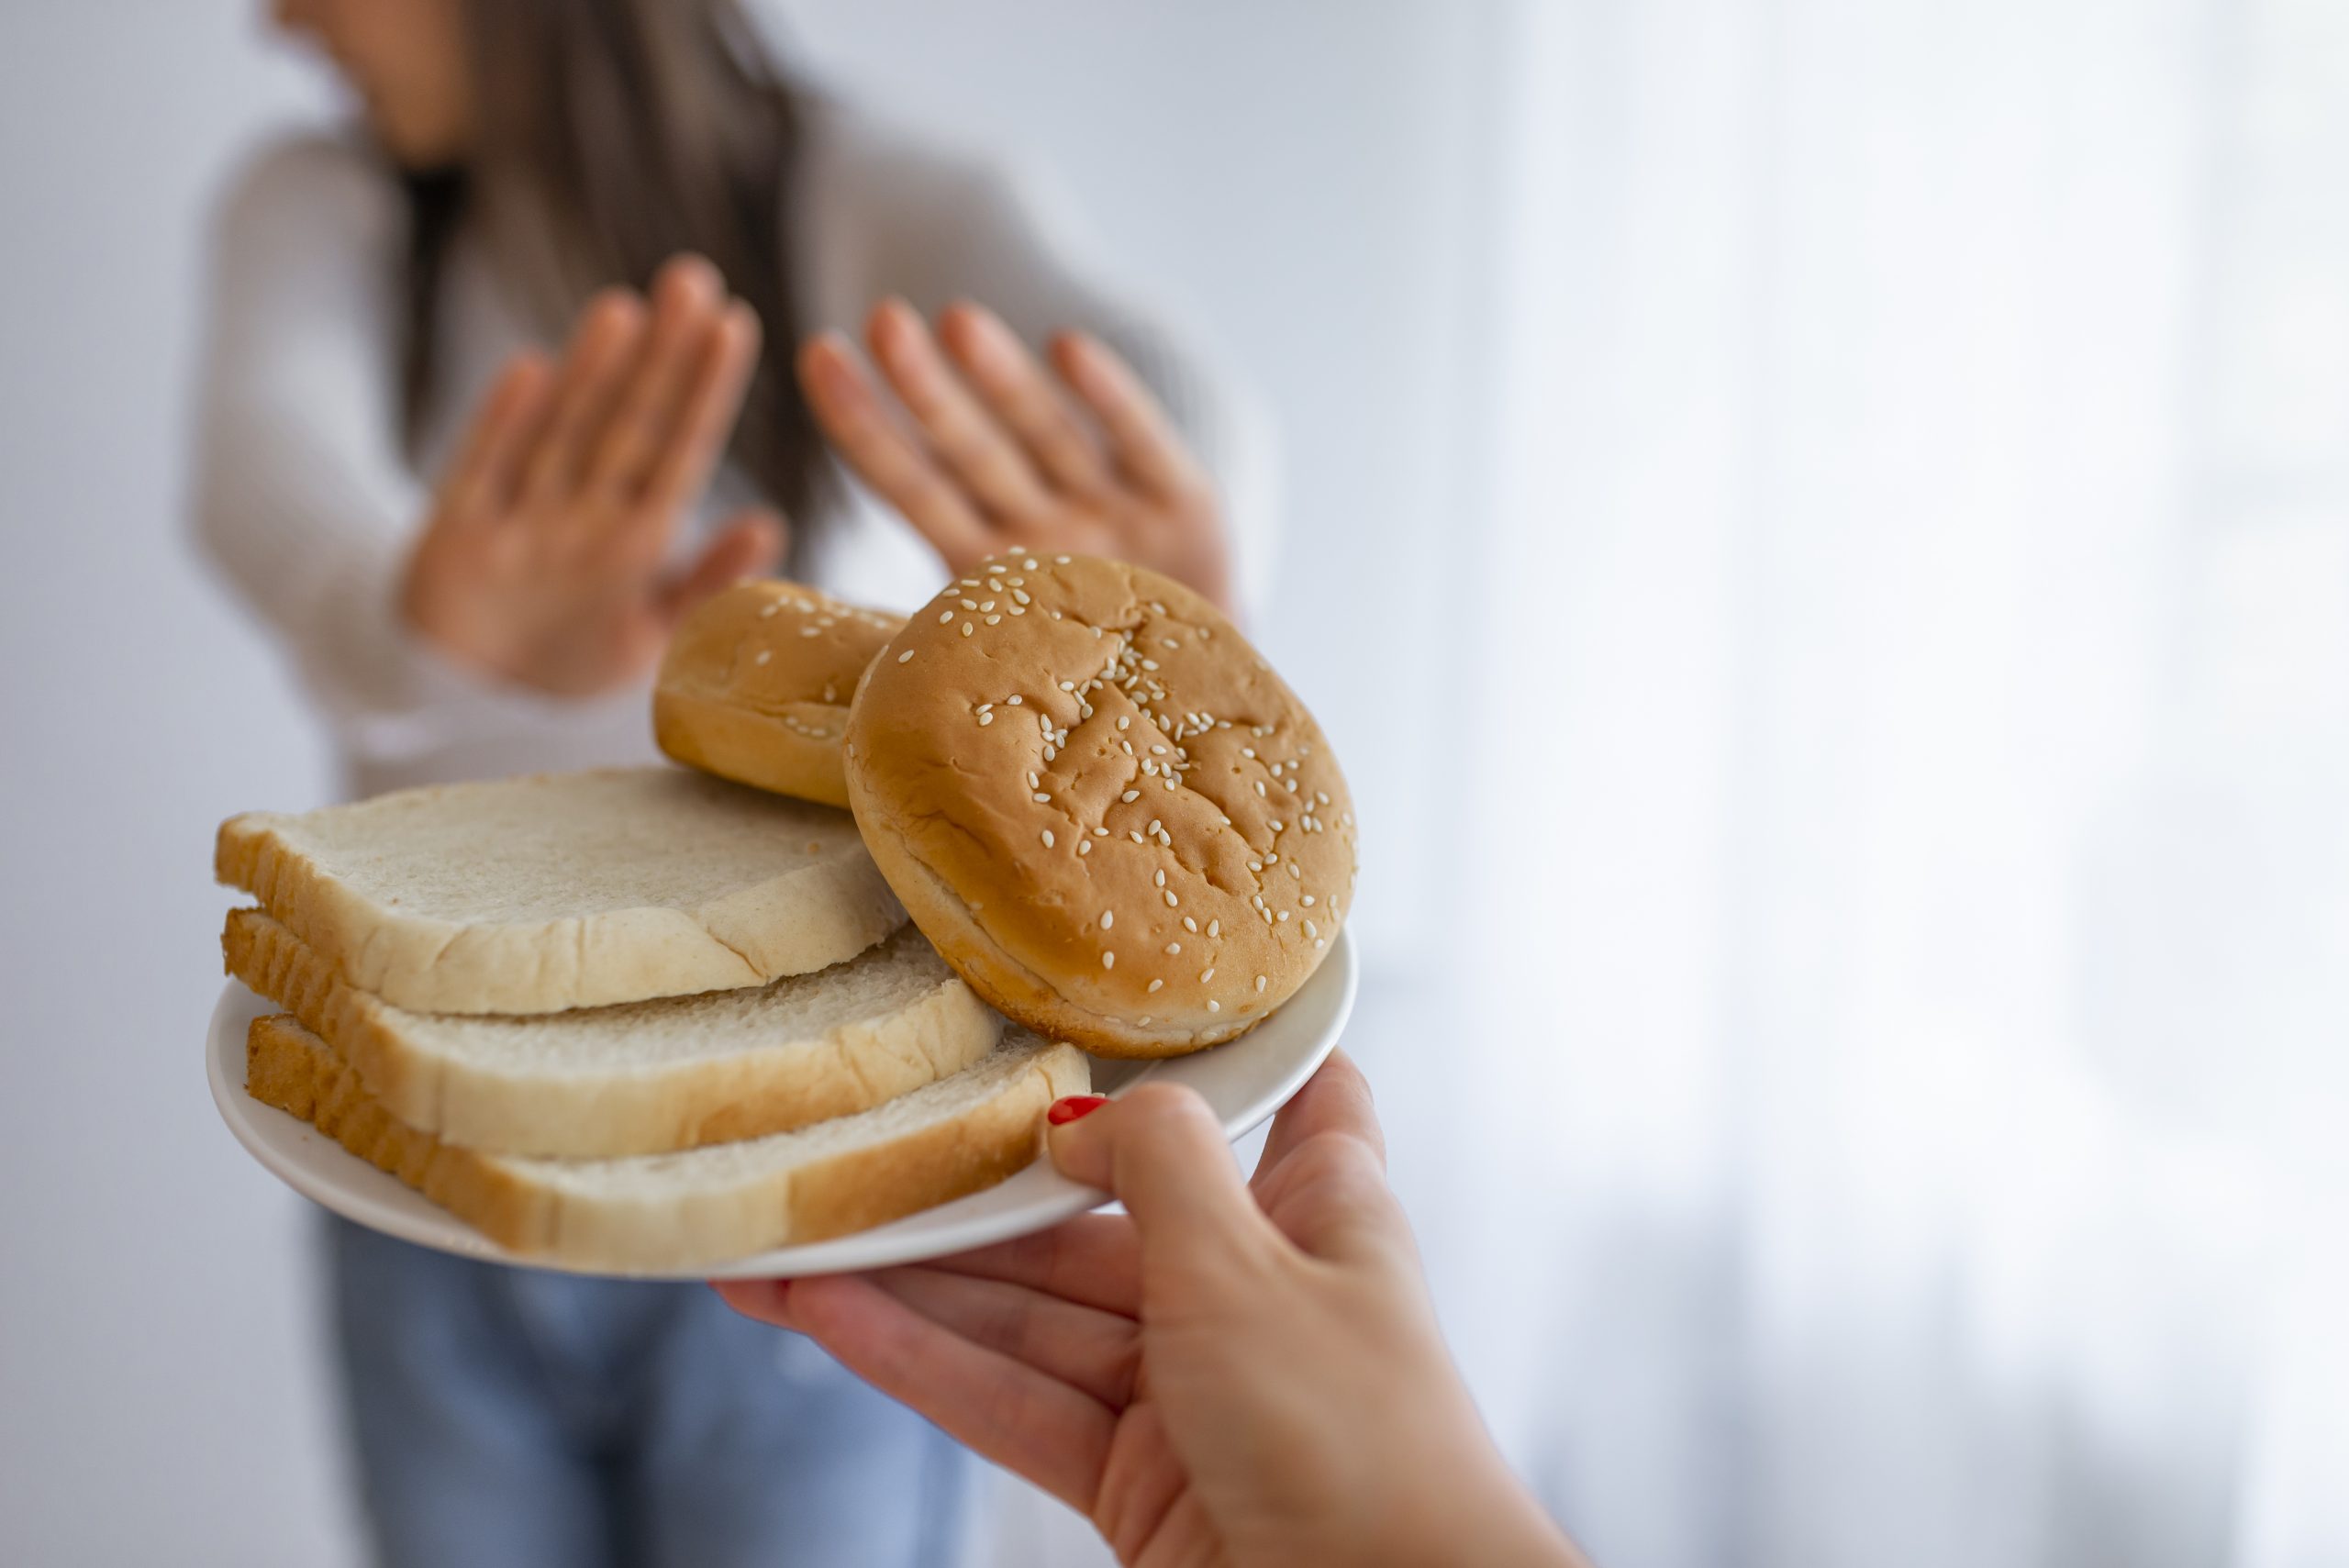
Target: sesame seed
{"x": 1295, "y": 872}
{"x": 1109, "y": 960}
{"x": 1061, "y": 560}
{"x": 1207, "y": 974}
{"x": 1155, "y": 985}
{"x": 1215, "y": 927}
{"x": 1100, "y": 832}
{"x": 906, "y": 657}
{"x": 1248, "y": 751}
{"x": 1282, "y": 915}
{"x": 1042, "y": 797}
{"x": 1130, "y": 795}
{"x": 1122, "y": 722}
{"x": 1085, "y": 846}
{"x": 1150, "y": 663}
{"x": 1134, "y": 835}
{"x": 1274, "y": 859}
{"x": 764, "y": 656}
{"x": 1153, "y": 829}
{"x": 967, "y": 632}
{"x": 1174, "y": 947}
{"x": 1013, "y": 700}
{"x": 1033, "y": 782}
{"x": 1310, "y": 929}
{"x": 1145, "y": 1020}
{"x": 1022, "y": 596}
{"x": 1068, "y": 685}
{"x": 970, "y": 604}
{"x": 1108, "y": 918}
{"x": 1308, "y": 901}
{"x": 1260, "y": 982}
{"x": 1260, "y": 783}
{"x": 1189, "y": 924}
{"x": 1030, "y": 563}
{"x": 1214, "y": 1006}
{"x": 767, "y": 610}
{"x": 986, "y": 720}
{"x": 1172, "y": 902}
{"x": 1168, "y": 642}
{"x": 990, "y": 604}
{"x": 1162, "y": 876}
{"x": 993, "y": 619}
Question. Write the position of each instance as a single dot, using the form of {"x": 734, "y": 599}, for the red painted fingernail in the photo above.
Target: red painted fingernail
{"x": 1075, "y": 1106}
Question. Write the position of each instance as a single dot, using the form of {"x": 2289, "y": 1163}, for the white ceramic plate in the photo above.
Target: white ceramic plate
{"x": 1245, "y": 1080}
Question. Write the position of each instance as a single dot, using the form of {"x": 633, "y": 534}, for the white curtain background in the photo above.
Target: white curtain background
{"x": 1904, "y": 887}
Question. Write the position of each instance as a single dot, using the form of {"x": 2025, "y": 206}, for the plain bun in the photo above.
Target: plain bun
{"x": 1101, "y": 805}
{"x": 756, "y": 684}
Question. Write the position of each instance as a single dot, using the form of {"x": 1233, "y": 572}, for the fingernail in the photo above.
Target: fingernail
{"x": 1075, "y": 1106}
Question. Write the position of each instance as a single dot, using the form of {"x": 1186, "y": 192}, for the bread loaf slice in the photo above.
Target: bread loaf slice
{"x": 704, "y": 1206}
{"x": 637, "y": 1077}
{"x": 564, "y": 890}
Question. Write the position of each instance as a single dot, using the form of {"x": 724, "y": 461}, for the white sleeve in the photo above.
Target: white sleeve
{"x": 302, "y": 499}
{"x": 885, "y": 215}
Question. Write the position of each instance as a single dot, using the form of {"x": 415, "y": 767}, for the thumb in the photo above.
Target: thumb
{"x": 750, "y": 543}
{"x": 1160, "y": 1152}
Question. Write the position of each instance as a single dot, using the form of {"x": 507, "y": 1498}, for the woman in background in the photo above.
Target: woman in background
{"x": 473, "y": 549}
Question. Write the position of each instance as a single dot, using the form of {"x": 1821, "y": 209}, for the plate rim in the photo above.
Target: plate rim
{"x": 1061, "y": 1200}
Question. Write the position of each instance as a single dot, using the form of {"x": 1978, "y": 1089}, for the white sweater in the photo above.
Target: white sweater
{"x": 307, "y": 505}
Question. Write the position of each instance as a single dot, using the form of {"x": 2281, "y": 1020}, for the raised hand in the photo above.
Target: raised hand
{"x": 541, "y": 563}
{"x": 1233, "y": 1374}
{"x": 999, "y": 453}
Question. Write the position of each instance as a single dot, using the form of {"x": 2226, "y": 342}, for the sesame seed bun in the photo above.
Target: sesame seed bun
{"x": 1101, "y": 805}
{"x": 756, "y": 684}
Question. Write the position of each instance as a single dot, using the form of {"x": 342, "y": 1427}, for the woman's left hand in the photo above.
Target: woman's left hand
{"x": 1005, "y": 455}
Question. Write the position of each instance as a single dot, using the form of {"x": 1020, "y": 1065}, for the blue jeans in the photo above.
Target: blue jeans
{"x": 515, "y": 1417}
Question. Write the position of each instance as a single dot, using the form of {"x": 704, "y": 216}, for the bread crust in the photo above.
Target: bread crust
{"x": 810, "y": 918}
{"x": 634, "y": 1109}
{"x": 517, "y": 1206}
{"x": 1102, "y": 805}
{"x": 756, "y": 683}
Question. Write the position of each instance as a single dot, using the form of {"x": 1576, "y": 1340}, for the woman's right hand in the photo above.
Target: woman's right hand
{"x": 1238, "y": 1373}
{"x": 542, "y": 562}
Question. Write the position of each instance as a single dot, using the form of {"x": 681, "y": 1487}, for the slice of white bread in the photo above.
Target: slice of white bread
{"x": 564, "y": 890}
{"x": 637, "y": 1077}
{"x": 706, "y": 1206}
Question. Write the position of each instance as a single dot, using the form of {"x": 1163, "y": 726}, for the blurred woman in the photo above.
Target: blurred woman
{"x": 472, "y": 547}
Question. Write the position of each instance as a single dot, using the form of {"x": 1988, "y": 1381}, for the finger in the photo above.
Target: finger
{"x": 1082, "y": 1346}
{"x": 606, "y": 340}
{"x": 958, "y": 428}
{"x": 1020, "y": 395}
{"x": 479, "y": 484}
{"x": 697, "y": 433}
{"x": 748, "y": 545}
{"x": 1330, "y": 1197}
{"x": 1143, "y": 439}
{"x": 1034, "y": 1425}
{"x": 1335, "y": 1099}
{"x": 1160, "y": 1152}
{"x": 767, "y": 1300}
{"x": 884, "y": 456}
{"x": 688, "y": 301}
{"x": 1095, "y": 1260}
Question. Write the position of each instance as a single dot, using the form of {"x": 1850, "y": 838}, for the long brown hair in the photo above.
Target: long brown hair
{"x": 611, "y": 135}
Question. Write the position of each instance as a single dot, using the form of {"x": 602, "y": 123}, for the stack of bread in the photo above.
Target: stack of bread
{"x": 650, "y": 1019}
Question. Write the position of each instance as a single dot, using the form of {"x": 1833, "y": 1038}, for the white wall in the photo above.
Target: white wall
{"x": 1300, "y": 174}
